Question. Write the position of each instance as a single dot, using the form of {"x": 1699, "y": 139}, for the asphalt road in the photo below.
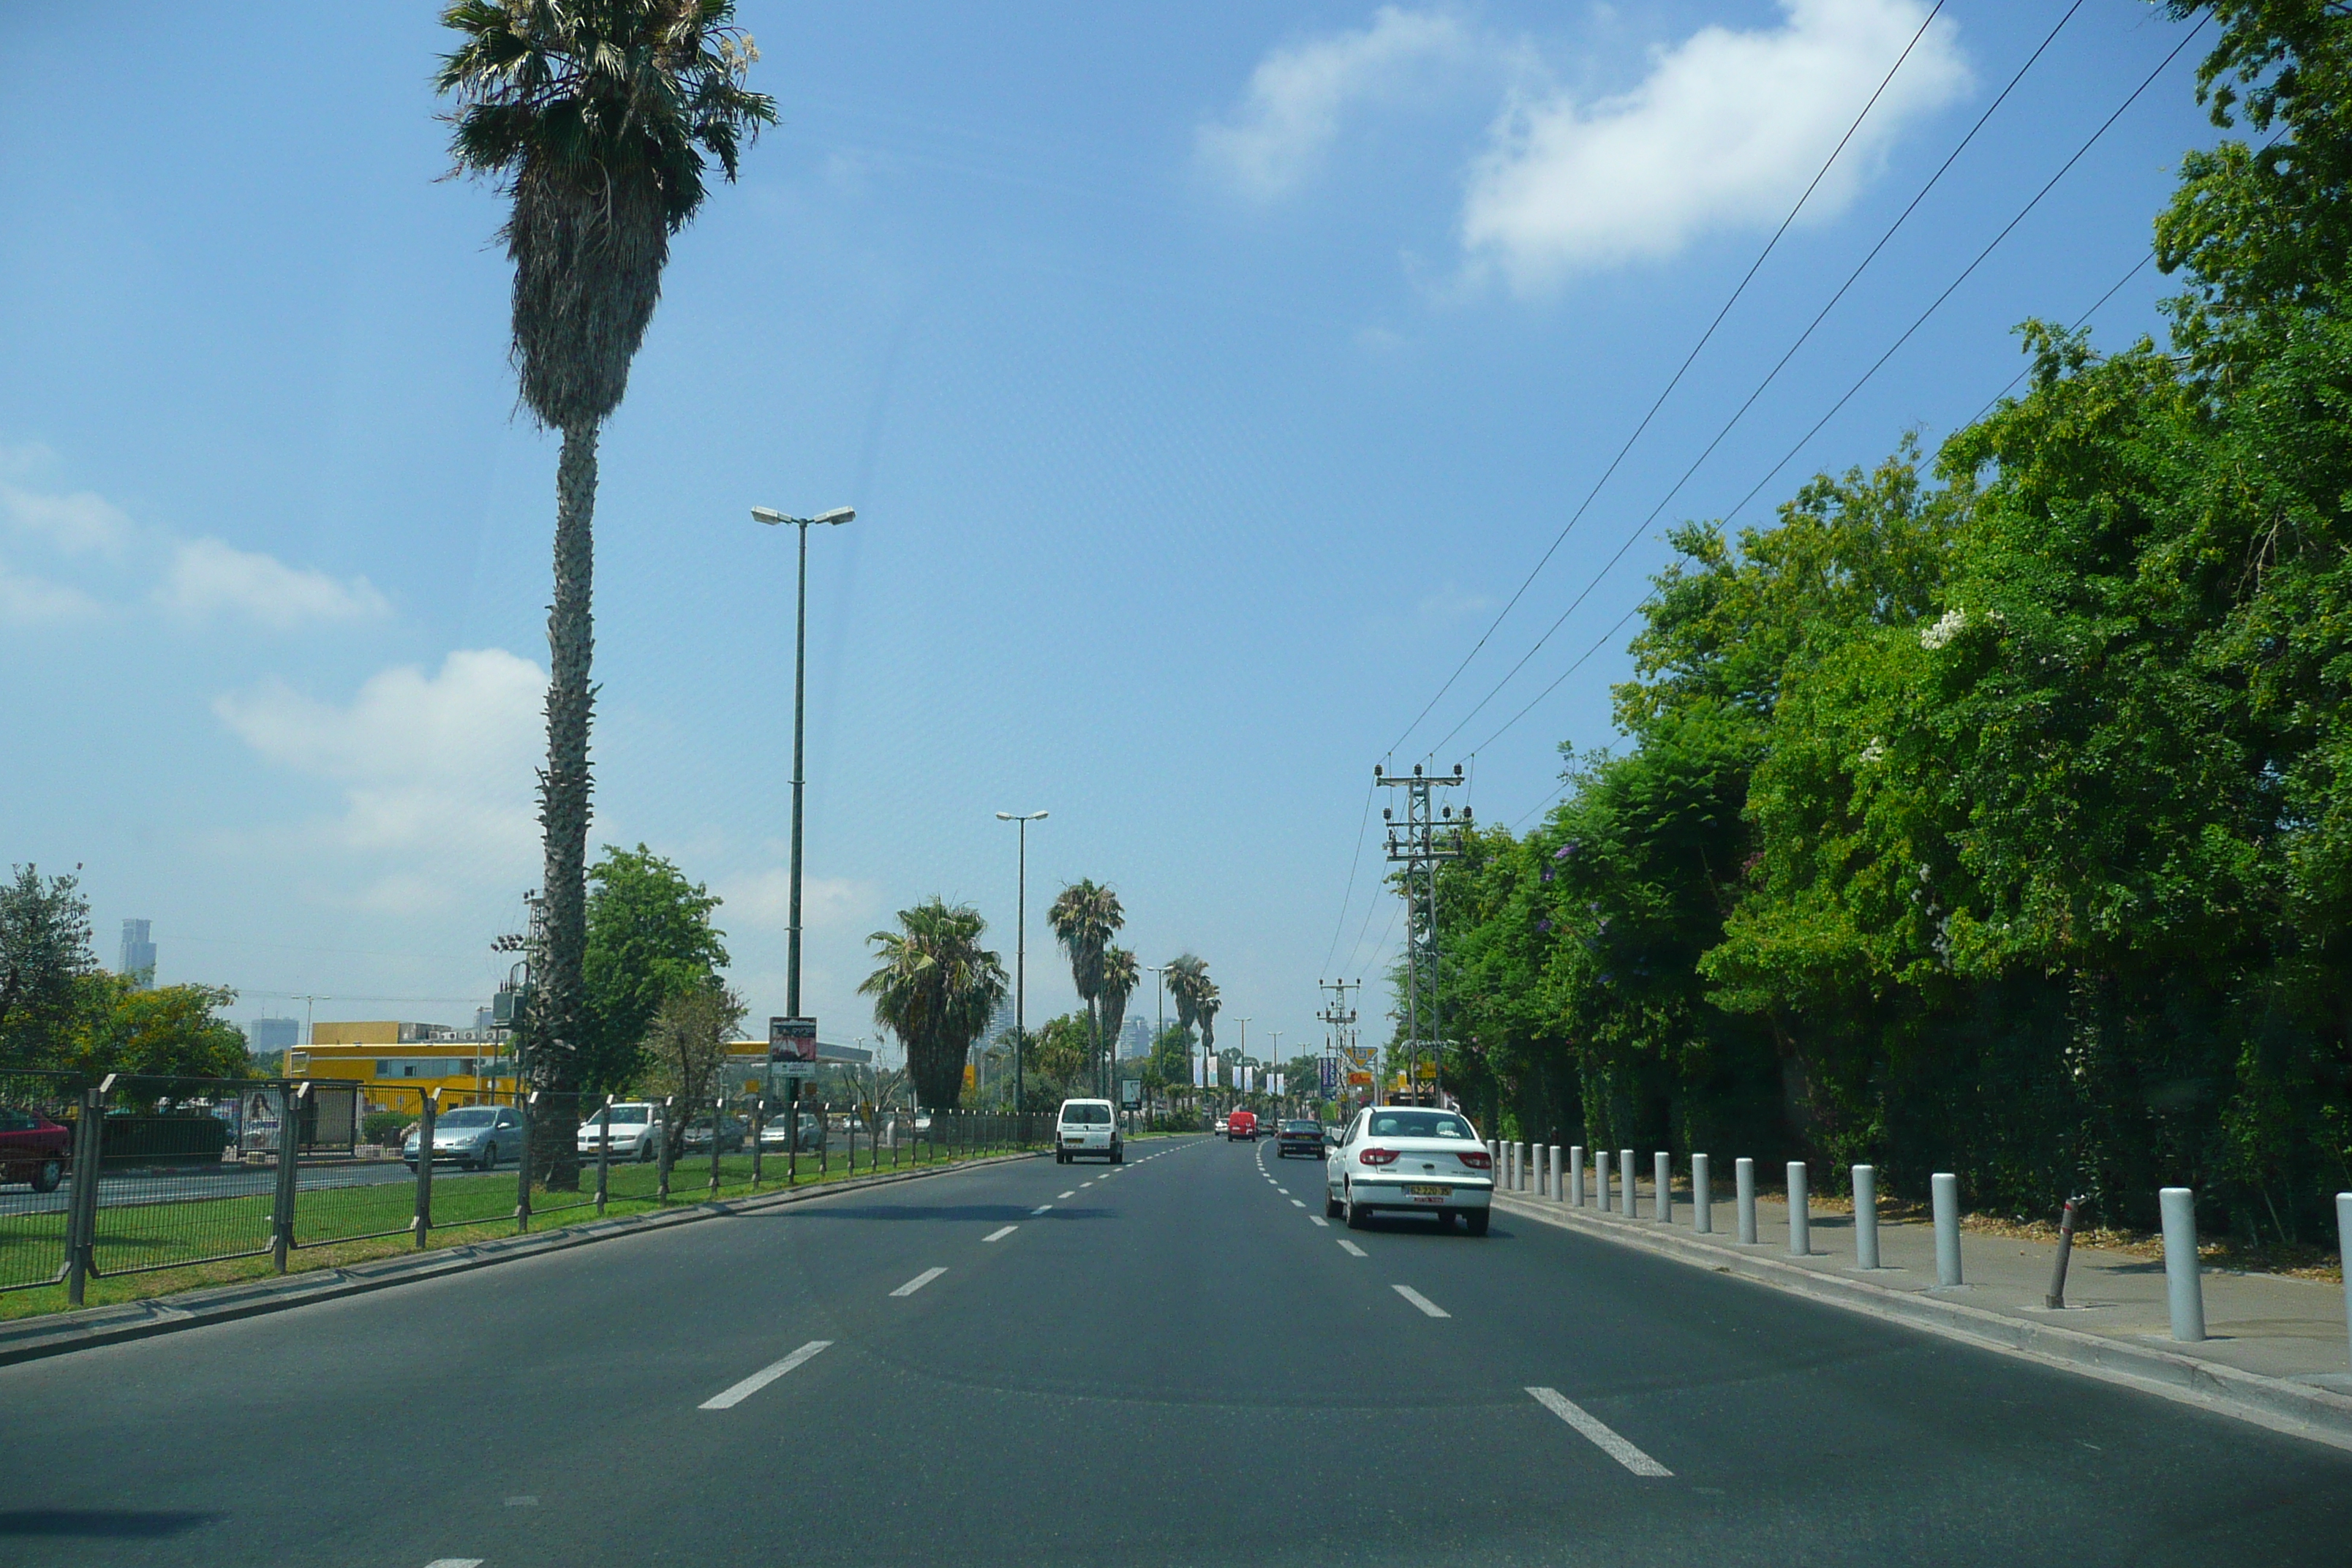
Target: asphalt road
{"x": 1171, "y": 1365}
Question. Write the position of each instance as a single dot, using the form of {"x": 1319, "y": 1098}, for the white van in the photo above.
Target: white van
{"x": 1088, "y": 1126}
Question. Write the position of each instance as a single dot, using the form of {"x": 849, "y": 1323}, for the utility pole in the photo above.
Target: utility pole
{"x": 1021, "y": 956}
{"x": 1419, "y": 843}
{"x": 1340, "y": 1012}
{"x": 1274, "y": 1060}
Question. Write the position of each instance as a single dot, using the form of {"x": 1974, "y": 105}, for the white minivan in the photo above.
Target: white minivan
{"x": 1088, "y": 1126}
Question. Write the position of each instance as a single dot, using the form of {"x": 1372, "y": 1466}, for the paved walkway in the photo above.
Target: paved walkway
{"x": 2262, "y": 1323}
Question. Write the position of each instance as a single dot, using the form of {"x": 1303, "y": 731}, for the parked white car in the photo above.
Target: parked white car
{"x": 1088, "y": 1126}
{"x": 636, "y": 1132}
{"x": 1403, "y": 1159}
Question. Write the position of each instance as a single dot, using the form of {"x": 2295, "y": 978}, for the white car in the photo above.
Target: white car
{"x": 1088, "y": 1126}
{"x": 636, "y": 1132}
{"x": 1404, "y": 1159}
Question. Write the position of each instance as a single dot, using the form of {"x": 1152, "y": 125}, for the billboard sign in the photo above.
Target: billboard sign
{"x": 792, "y": 1045}
{"x": 1130, "y": 1094}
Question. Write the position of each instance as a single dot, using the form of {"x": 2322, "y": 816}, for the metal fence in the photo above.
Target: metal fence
{"x": 138, "y": 1173}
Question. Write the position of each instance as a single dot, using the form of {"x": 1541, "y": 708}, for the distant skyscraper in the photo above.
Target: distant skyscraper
{"x": 273, "y": 1033}
{"x": 1135, "y": 1039}
{"x": 138, "y": 954}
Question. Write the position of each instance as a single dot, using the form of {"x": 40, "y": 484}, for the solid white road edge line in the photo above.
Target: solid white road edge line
{"x": 759, "y": 1380}
{"x": 1000, "y": 1232}
{"x": 1607, "y": 1441}
{"x": 1351, "y": 1250}
{"x": 918, "y": 1281}
{"x": 1428, "y": 1307}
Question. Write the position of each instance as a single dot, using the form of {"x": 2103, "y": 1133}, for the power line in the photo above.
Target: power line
{"x": 1676, "y": 380}
{"x": 1783, "y": 363}
{"x": 1354, "y": 861}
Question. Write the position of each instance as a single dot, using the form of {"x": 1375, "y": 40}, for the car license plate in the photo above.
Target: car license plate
{"x": 1428, "y": 1192}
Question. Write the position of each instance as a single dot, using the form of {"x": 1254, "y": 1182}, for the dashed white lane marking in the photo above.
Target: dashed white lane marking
{"x": 1071, "y": 1194}
{"x": 1284, "y": 1191}
{"x": 928, "y": 1274}
{"x": 455, "y": 1562}
{"x": 1000, "y": 1232}
{"x": 1041, "y": 1209}
{"x": 1351, "y": 1250}
{"x": 729, "y": 1398}
{"x": 1607, "y": 1441}
{"x": 1086, "y": 1183}
{"x": 1428, "y": 1307}
{"x": 1297, "y": 1204}
{"x": 1319, "y": 1220}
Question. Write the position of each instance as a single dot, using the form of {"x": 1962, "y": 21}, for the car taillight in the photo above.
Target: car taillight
{"x": 1476, "y": 1159}
{"x": 1377, "y": 1156}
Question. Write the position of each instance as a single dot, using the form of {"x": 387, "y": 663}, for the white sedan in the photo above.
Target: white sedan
{"x": 1402, "y": 1158}
{"x": 636, "y": 1132}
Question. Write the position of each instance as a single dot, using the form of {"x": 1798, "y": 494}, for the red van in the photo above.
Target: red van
{"x": 1242, "y": 1125}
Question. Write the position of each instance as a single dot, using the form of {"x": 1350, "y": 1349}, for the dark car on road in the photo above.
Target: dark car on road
{"x": 33, "y": 1149}
{"x": 1299, "y": 1138}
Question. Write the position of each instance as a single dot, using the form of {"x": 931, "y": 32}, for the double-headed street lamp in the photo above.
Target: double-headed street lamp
{"x": 768, "y": 515}
{"x": 1021, "y": 955}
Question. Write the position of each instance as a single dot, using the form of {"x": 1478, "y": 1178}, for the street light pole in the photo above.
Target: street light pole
{"x": 773, "y": 517}
{"x": 1274, "y": 1061}
{"x": 1021, "y": 959}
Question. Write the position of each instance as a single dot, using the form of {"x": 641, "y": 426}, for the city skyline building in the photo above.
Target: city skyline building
{"x": 138, "y": 954}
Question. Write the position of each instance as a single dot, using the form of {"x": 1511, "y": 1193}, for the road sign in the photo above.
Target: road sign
{"x": 792, "y": 1040}
{"x": 1130, "y": 1094}
{"x": 1326, "y": 1072}
{"x": 1359, "y": 1080}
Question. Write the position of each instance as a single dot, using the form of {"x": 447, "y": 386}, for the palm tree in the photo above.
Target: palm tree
{"x": 935, "y": 990}
{"x": 1084, "y": 917}
{"x": 594, "y": 118}
{"x": 1120, "y": 975}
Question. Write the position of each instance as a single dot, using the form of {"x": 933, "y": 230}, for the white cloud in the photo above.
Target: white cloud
{"x": 1291, "y": 114}
{"x": 76, "y": 523}
{"x": 208, "y": 576}
{"x": 1723, "y": 134}
{"x": 33, "y": 601}
{"x": 763, "y": 900}
{"x": 436, "y": 770}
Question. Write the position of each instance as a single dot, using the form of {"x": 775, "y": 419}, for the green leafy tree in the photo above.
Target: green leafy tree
{"x": 598, "y": 119}
{"x": 1085, "y": 916}
{"x": 45, "y": 958}
{"x": 650, "y": 938}
{"x": 1058, "y": 1053}
{"x": 165, "y": 1031}
{"x": 686, "y": 1050}
{"x": 935, "y": 989}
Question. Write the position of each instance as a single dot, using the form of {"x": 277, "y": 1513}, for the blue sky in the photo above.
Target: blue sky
{"x": 1206, "y": 377}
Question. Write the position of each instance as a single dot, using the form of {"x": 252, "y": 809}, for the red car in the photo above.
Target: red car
{"x": 1242, "y": 1125}
{"x": 33, "y": 1149}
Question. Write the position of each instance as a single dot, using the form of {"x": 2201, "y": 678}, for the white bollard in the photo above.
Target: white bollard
{"x": 1702, "y": 1197}
{"x": 1743, "y": 1177}
{"x": 1625, "y": 1194}
{"x": 1663, "y": 1170}
{"x": 1600, "y": 1177}
{"x": 1943, "y": 1193}
{"x": 1800, "y": 1236}
{"x": 1576, "y": 1176}
{"x": 2184, "y": 1288}
{"x": 1866, "y": 1216}
{"x": 2344, "y": 1249}
{"x": 1554, "y": 1188}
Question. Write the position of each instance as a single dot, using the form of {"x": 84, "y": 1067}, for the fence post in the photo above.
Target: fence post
{"x": 1702, "y": 1197}
{"x": 1628, "y": 1200}
{"x": 281, "y": 1218}
{"x": 1866, "y": 1216}
{"x": 759, "y": 1125}
{"x": 1600, "y": 1178}
{"x": 428, "y": 1106}
{"x": 792, "y": 1138}
{"x": 2184, "y": 1290}
{"x": 824, "y": 1140}
{"x": 82, "y": 1200}
{"x": 526, "y": 1107}
{"x": 1944, "y": 1196}
{"x": 661, "y": 1152}
{"x": 1743, "y": 1177}
{"x": 1576, "y": 1176}
{"x": 1801, "y": 1235}
{"x": 603, "y": 1156}
{"x": 2344, "y": 1249}
{"x": 1663, "y": 1170}
{"x": 717, "y": 1117}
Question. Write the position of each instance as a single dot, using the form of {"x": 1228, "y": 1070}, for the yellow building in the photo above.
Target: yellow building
{"x": 395, "y": 1062}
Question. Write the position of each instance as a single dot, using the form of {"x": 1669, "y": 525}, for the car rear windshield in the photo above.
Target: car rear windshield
{"x": 1313, "y": 1127}
{"x": 1419, "y": 1124}
{"x": 1087, "y": 1115}
{"x": 478, "y": 1116}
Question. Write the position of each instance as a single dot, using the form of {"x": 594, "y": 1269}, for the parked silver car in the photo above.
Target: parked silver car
{"x": 476, "y": 1135}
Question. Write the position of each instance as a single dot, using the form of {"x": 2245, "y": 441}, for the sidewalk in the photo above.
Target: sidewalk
{"x": 2282, "y": 1344}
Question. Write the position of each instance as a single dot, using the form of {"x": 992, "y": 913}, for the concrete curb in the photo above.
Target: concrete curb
{"x": 61, "y": 1333}
{"x": 2282, "y": 1405}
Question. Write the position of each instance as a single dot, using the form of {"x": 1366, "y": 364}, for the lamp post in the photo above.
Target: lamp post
{"x": 1241, "y": 1055}
{"x": 1021, "y": 958}
{"x": 773, "y": 517}
{"x": 1273, "y": 1065}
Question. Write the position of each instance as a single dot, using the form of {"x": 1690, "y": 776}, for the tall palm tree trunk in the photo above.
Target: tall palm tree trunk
{"x": 564, "y": 790}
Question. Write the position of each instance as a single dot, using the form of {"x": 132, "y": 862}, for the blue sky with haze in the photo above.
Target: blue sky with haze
{"x": 1205, "y": 379}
